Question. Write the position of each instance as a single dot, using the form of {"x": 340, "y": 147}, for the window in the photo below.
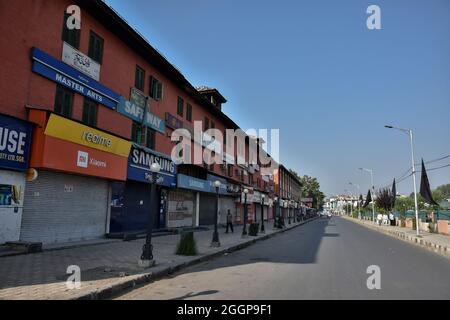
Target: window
{"x": 95, "y": 47}
{"x": 180, "y": 106}
{"x": 213, "y": 124}
{"x": 90, "y": 112}
{"x": 139, "y": 78}
{"x": 72, "y": 37}
{"x": 150, "y": 138}
{"x": 63, "y": 101}
{"x": 206, "y": 123}
{"x": 188, "y": 112}
{"x": 142, "y": 135}
{"x": 136, "y": 132}
{"x": 230, "y": 170}
{"x": 155, "y": 89}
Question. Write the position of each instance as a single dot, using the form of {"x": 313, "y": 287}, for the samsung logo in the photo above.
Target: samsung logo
{"x": 145, "y": 159}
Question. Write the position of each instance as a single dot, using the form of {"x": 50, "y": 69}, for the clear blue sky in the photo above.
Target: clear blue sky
{"x": 314, "y": 70}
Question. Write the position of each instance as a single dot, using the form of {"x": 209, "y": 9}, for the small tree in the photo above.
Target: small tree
{"x": 384, "y": 200}
{"x": 187, "y": 245}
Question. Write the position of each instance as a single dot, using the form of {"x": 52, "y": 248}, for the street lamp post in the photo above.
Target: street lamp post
{"x": 409, "y": 132}
{"x": 244, "y": 229}
{"x": 289, "y": 211}
{"x": 372, "y": 192}
{"x": 215, "y": 239}
{"x": 357, "y": 203}
{"x": 275, "y": 212}
{"x": 262, "y": 213}
{"x": 147, "y": 250}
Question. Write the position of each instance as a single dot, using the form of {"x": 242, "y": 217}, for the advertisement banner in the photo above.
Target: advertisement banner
{"x": 72, "y": 131}
{"x": 15, "y": 141}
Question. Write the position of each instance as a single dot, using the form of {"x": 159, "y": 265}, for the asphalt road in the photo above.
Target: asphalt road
{"x": 324, "y": 259}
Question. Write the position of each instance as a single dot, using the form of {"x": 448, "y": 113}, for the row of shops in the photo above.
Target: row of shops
{"x": 62, "y": 180}
{"x": 80, "y": 188}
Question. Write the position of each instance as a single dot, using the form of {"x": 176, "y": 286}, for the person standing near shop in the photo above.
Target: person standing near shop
{"x": 229, "y": 222}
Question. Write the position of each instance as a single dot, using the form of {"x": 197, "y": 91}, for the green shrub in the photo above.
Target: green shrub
{"x": 253, "y": 229}
{"x": 187, "y": 245}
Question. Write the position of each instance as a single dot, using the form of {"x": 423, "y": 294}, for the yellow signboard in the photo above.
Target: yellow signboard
{"x": 75, "y": 132}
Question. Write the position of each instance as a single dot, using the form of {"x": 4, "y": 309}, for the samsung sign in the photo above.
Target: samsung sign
{"x": 139, "y": 163}
{"x": 15, "y": 140}
{"x": 62, "y": 73}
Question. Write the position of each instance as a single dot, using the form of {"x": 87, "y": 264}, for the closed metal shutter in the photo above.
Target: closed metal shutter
{"x": 181, "y": 208}
{"x": 61, "y": 207}
{"x": 225, "y": 204}
{"x": 207, "y": 209}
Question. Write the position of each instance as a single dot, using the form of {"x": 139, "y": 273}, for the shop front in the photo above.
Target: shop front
{"x": 69, "y": 200}
{"x": 15, "y": 144}
{"x": 205, "y": 196}
{"x": 131, "y": 200}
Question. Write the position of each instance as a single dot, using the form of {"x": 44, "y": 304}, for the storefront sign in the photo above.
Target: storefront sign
{"x": 61, "y": 73}
{"x": 192, "y": 183}
{"x": 80, "y": 61}
{"x": 138, "y": 98}
{"x": 135, "y": 112}
{"x": 72, "y": 131}
{"x": 15, "y": 140}
{"x": 223, "y": 183}
{"x": 75, "y": 158}
{"x": 139, "y": 163}
{"x": 173, "y": 122}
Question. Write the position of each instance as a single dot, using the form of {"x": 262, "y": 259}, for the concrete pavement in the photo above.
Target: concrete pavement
{"x": 105, "y": 268}
{"x": 325, "y": 259}
{"x": 437, "y": 243}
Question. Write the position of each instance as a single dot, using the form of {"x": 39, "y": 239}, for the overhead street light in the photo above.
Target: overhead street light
{"x": 409, "y": 132}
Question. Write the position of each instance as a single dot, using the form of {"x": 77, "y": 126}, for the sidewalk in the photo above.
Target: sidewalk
{"x": 110, "y": 267}
{"x": 436, "y": 242}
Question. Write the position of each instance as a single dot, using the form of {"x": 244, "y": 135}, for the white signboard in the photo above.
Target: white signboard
{"x": 80, "y": 61}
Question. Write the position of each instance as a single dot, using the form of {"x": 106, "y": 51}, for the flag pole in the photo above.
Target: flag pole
{"x": 414, "y": 182}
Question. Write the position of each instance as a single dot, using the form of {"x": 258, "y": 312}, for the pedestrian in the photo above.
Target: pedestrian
{"x": 229, "y": 222}
{"x": 379, "y": 219}
{"x": 392, "y": 219}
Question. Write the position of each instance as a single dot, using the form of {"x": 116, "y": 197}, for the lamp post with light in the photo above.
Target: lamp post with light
{"x": 372, "y": 192}
{"x": 416, "y": 207}
{"x": 275, "y": 212}
{"x": 262, "y": 213}
{"x": 215, "y": 239}
{"x": 244, "y": 229}
{"x": 147, "y": 250}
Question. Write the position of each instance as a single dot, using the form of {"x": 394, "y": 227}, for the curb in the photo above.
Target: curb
{"x": 434, "y": 247}
{"x": 115, "y": 289}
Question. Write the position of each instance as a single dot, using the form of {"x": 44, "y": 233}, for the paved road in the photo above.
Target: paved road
{"x": 324, "y": 259}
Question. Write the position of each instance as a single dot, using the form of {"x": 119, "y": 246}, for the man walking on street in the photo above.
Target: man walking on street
{"x": 229, "y": 222}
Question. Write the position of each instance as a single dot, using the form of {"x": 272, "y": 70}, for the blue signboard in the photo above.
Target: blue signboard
{"x": 61, "y": 73}
{"x": 188, "y": 182}
{"x": 139, "y": 163}
{"x": 15, "y": 141}
{"x": 135, "y": 112}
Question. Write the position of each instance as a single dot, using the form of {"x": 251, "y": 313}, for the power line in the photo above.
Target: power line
{"x": 434, "y": 160}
